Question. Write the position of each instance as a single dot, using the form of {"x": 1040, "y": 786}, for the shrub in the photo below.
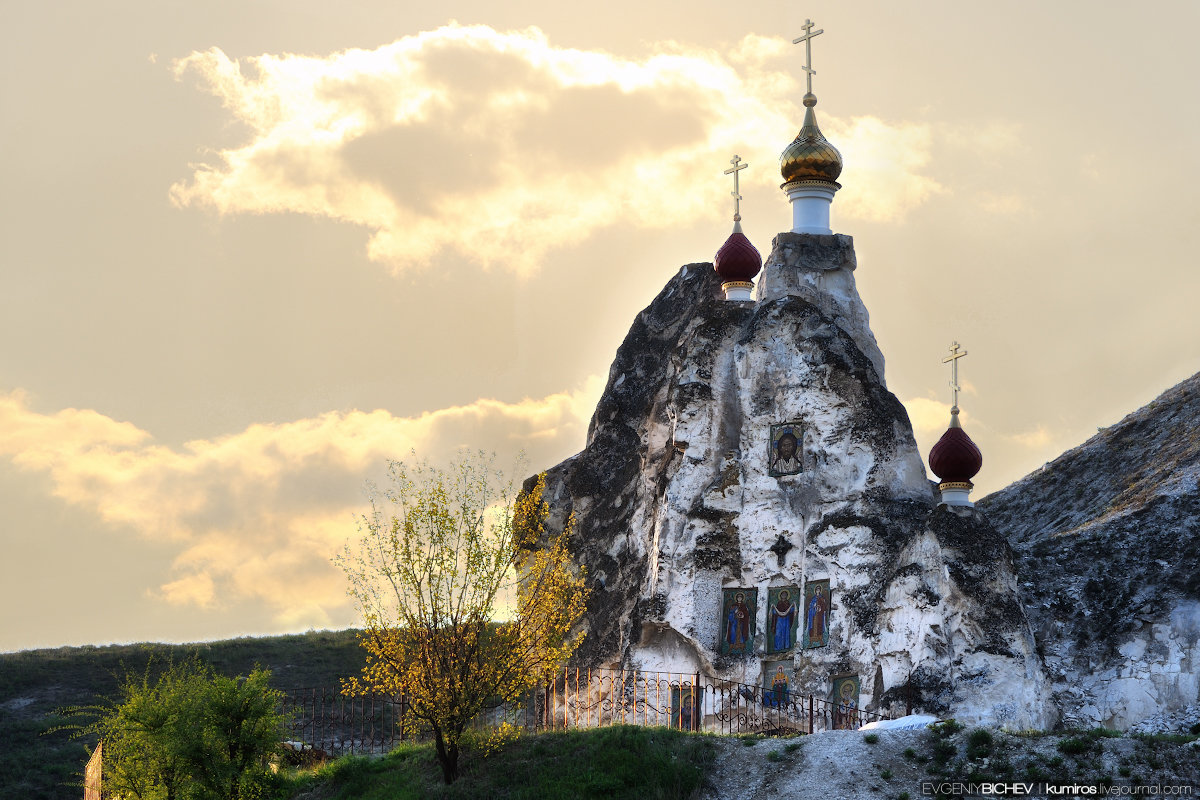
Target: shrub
{"x": 944, "y": 730}
{"x": 871, "y": 738}
{"x": 190, "y": 732}
{"x": 1074, "y": 746}
{"x": 979, "y": 744}
{"x": 944, "y": 751}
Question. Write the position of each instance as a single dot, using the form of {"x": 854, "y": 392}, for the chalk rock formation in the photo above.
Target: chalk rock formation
{"x": 682, "y": 497}
{"x": 1108, "y": 541}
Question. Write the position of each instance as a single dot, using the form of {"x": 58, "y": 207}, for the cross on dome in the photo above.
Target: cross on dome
{"x": 737, "y": 197}
{"x": 955, "y": 459}
{"x": 810, "y": 165}
{"x": 807, "y": 38}
{"x": 952, "y": 360}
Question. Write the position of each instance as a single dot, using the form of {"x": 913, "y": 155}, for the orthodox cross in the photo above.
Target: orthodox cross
{"x": 807, "y": 38}
{"x": 737, "y": 198}
{"x": 952, "y": 360}
{"x": 780, "y": 548}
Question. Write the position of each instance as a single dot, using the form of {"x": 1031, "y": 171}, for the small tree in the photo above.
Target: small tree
{"x": 187, "y": 734}
{"x": 443, "y": 555}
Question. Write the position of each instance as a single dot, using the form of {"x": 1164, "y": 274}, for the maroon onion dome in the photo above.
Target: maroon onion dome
{"x": 955, "y": 458}
{"x": 737, "y": 260}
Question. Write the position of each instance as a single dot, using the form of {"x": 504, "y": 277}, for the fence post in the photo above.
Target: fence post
{"x": 810, "y": 714}
{"x": 696, "y": 703}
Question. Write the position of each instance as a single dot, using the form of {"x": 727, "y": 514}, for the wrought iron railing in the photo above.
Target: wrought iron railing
{"x": 593, "y": 698}
{"x": 334, "y": 723}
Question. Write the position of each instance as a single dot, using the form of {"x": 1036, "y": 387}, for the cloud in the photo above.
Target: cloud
{"x": 501, "y": 147}
{"x": 884, "y": 163}
{"x": 256, "y": 515}
{"x": 928, "y": 416}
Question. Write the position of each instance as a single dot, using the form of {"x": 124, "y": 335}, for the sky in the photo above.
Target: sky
{"x": 250, "y": 251}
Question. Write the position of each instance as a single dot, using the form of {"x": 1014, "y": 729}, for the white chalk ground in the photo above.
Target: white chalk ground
{"x": 833, "y": 764}
{"x": 842, "y": 765}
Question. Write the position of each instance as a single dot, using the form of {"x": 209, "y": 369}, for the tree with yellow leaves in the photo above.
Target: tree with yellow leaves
{"x": 444, "y": 556}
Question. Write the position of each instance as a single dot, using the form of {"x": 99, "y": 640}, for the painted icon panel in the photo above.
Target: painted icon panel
{"x": 816, "y": 614}
{"x": 778, "y": 680}
{"x": 686, "y": 703}
{"x": 784, "y": 453}
{"x": 783, "y": 616}
{"x": 738, "y": 614}
{"x": 845, "y": 702}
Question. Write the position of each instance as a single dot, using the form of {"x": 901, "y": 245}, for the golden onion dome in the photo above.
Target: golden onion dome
{"x": 810, "y": 157}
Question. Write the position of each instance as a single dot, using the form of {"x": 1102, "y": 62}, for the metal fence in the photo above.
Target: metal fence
{"x": 336, "y": 724}
{"x": 595, "y": 698}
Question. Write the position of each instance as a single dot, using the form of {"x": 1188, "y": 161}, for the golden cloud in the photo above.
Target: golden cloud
{"x": 258, "y": 514}
{"x": 464, "y": 135}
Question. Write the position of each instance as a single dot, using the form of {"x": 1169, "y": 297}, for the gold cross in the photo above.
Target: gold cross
{"x": 809, "y": 33}
{"x": 952, "y": 360}
{"x": 737, "y": 198}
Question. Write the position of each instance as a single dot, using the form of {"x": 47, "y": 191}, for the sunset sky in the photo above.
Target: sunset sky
{"x": 251, "y": 250}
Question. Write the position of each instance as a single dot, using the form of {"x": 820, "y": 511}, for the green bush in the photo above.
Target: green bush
{"x": 979, "y": 744}
{"x": 946, "y": 729}
{"x": 187, "y": 733}
{"x": 1075, "y": 746}
{"x": 944, "y": 751}
{"x": 1104, "y": 733}
{"x": 871, "y": 738}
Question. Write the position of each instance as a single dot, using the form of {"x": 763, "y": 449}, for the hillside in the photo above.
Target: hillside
{"x": 35, "y": 683}
{"x": 1108, "y": 544}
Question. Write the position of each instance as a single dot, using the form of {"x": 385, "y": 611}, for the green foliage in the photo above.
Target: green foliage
{"x": 886, "y": 774}
{"x": 909, "y": 753}
{"x": 792, "y": 747}
{"x": 1165, "y": 738}
{"x": 39, "y": 760}
{"x": 624, "y": 762}
{"x": 774, "y": 755}
{"x": 1035, "y": 773}
{"x": 1075, "y": 746}
{"x": 943, "y": 751}
{"x": 946, "y": 729}
{"x": 871, "y": 738}
{"x": 902, "y": 796}
{"x": 979, "y": 744}
{"x": 1103, "y": 733}
{"x": 188, "y": 733}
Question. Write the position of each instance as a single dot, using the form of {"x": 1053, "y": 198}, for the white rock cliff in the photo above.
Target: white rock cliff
{"x": 676, "y": 504}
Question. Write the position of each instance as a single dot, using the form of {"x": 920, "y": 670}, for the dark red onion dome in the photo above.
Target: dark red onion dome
{"x": 737, "y": 260}
{"x": 955, "y": 458}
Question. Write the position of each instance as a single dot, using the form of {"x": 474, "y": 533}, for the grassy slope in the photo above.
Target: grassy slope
{"x": 621, "y": 762}
{"x": 34, "y": 683}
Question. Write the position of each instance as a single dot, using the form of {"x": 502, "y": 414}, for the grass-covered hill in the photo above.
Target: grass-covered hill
{"x": 611, "y": 763}
{"x": 34, "y": 684}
